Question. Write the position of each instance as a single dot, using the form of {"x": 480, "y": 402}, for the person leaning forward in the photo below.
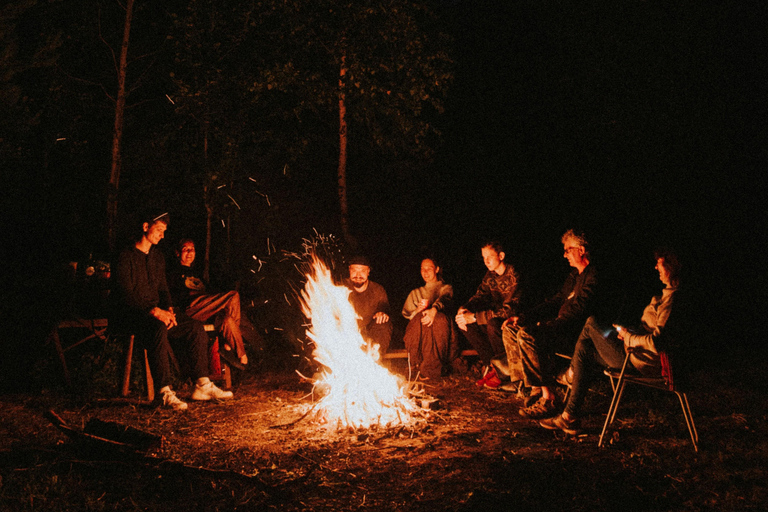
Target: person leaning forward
{"x": 496, "y": 299}
{"x": 143, "y": 307}
{"x": 371, "y": 304}
{"x": 553, "y": 326}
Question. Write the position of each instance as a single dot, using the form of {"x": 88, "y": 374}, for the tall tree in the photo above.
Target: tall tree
{"x": 286, "y": 74}
{"x": 117, "y": 137}
{"x": 213, "y": 97}
{"x": 391, "y": 66}
{"x": 341, "y": 172}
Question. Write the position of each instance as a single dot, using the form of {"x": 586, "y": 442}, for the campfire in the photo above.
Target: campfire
{"x": 360, "y": 392}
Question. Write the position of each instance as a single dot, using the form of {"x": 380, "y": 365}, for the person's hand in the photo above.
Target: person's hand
{"x": 428, "y": 316}
{"x": 621, "y": 332}
{"x": 511, "y": 322}
{"x": 381, "y": 318}
{"x": 165, "y": 316}
{"x": 460, "y": 319}
{"x": 464, "y": 318}
{"x": 423, "y": 304}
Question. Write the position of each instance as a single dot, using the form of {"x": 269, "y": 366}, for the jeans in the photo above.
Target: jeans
{"x": 594, "y": 352}
{"x": 486, "y": 339}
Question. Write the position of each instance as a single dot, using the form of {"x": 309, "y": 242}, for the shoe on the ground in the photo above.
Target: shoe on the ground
{"x": 532, "y": 399}
{"x": 210, "y": 391}
{"x": 493, "y": 382}
{"x": 570, "y": 427}
{"x": 171, "y": 401}
{"x": 511, "y": 387}
{"x": 231, "y": 359}
{"x": 489, "y": 372}
{"x": 541, "y": 409}
{"x": 565, "y": 378}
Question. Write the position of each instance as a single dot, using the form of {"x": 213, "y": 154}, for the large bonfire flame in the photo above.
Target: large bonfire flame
{"x": 361, "y": 393}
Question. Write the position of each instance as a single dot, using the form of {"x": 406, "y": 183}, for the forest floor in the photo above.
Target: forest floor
{"x": 474, "y": 452}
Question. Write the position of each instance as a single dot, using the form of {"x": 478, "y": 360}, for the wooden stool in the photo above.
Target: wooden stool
{"x": 127, "y": 372}
{"x": 225, "y": 373}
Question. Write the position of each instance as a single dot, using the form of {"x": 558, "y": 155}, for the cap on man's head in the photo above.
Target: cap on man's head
{"x": 152, "y": 216}
{"x": 359, "y": 260}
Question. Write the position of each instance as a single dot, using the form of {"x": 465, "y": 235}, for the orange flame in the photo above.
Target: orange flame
{"x": 361, "y": 392}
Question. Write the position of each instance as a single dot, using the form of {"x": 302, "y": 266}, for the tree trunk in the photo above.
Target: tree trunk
{"x": 117, "y": 136}
{"x": 208, "y": 221}
{"x": 342, "y": 170}
{"x": 207, "y": 193}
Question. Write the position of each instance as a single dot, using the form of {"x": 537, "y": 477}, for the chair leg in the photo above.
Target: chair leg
{"x": 150, "y": 381}
{"x": 127, "y": 372}
{"x": 688, "y": 419}
{"x": 226, "y": 372}
{"x": 60, "y": 352}
{"x": 621, "y": 394}
{"x": 619, "y": 390}
{"x": 690, "y": 415}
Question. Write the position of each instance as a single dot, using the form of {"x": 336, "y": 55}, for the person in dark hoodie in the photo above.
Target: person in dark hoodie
{"x": 553, "y": 326}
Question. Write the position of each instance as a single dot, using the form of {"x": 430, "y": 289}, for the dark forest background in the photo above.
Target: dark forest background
{"x": 641, "y": 123}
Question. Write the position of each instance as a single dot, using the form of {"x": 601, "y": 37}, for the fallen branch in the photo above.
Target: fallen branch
{"x": 131, "y": 440}
{"x": 285, "y": 425}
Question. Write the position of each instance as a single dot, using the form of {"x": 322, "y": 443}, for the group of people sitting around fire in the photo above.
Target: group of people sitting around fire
{"x": 165, "y": 309}
{"x": 517, "y": 347}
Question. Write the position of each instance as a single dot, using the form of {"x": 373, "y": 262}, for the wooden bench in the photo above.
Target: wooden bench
{"x": 95, "y": 328}
{"x": 401, "y": 353}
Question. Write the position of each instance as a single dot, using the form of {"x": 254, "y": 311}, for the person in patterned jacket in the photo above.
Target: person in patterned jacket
{"x": 496, "y": 299}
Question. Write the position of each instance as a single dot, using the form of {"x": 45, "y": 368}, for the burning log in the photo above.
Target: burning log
{"x": 361, "y": 393}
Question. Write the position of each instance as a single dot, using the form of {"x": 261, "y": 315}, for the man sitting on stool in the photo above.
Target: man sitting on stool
{"x": 144, "y": 308}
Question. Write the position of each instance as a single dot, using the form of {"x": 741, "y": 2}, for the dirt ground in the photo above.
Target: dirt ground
{"x": 474, "y": 452}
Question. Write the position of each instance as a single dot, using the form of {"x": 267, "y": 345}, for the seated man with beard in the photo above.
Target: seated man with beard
{"x": 371, "y": 303}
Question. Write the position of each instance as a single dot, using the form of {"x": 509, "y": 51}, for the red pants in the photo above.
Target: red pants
{"x": 226, "y": 309}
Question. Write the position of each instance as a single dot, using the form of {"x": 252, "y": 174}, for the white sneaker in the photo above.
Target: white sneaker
{"x": 209, "y": 391}
{"x": 171, "y": 401}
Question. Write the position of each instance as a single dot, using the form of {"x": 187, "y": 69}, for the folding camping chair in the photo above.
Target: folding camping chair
{"x": 664, "y": 382}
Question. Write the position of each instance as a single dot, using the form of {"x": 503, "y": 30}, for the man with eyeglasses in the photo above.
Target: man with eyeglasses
{"x": 532, "y": 339}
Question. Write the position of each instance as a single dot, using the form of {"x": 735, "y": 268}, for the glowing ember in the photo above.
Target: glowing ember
{"x": 361, "y": 392}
